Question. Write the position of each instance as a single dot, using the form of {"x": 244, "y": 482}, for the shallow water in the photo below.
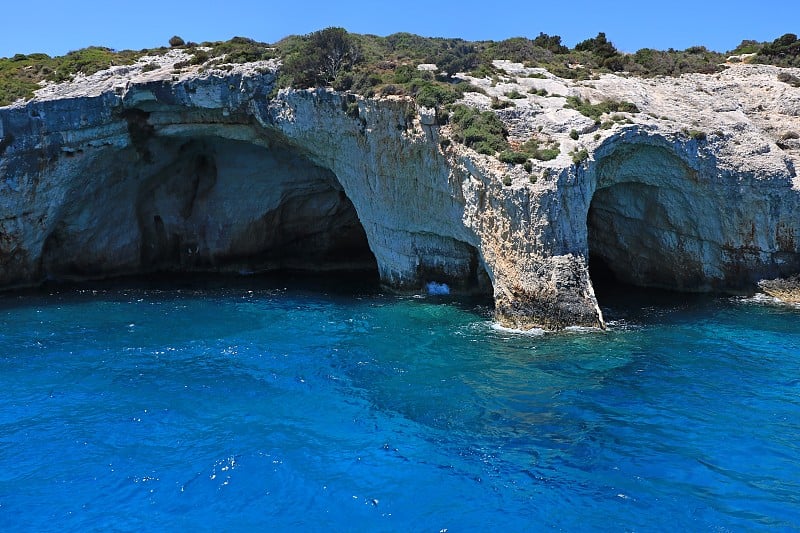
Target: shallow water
{"x": 273, "y": 404}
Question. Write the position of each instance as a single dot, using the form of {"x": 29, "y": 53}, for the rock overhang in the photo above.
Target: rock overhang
{"x": 429, "y": 212}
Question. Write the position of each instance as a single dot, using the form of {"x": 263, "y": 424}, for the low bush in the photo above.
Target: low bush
{"x": 531, "y": 149}
{"x": 500, "y": 104}
{"x": 579, "y": 156}
{"x": 697, "y": 135}
{"x": 479, "y": 130}
{"x": 791, "y": 79}
{"x": 595, "y": 111}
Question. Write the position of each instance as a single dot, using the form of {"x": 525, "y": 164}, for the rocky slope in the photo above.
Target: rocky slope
{"x": 135, "y": 170}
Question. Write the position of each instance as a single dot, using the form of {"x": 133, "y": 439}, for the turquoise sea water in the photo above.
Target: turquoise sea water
{"x": 275, "y": 405}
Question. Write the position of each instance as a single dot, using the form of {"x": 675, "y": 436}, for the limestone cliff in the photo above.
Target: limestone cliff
{"x": 136, "y": 170}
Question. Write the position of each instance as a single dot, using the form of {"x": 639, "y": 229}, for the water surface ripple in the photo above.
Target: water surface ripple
{"x": 256, "y": 405}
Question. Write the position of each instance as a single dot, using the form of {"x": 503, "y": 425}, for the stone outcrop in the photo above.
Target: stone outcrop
{"x": 784, "y": 289}
{"x": 133, "y": 171}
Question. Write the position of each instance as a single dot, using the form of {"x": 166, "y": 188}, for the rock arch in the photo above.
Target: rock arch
{"x": 662, "y": 217}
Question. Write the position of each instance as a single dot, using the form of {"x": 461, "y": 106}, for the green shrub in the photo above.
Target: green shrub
{"x": 515, "y": 94}
{"x": 480, "y": 130}
{"x": 433, "y": 94}
{"x": 783, "y": 51}
{"x": 352, "y": 110}
{"x": 747, "y": 47}
{"x": 176, "y": 41}
{"x": 580, "y": 156}
{"x": 199, "y": 57}
{"x": 467, "y": 87}
{"x": 791, "y": 79}
{"x": 484, "y": 70}
{"x": 240, "y": 50}
{"x": 546, "y": 154}
{"x": 500, "y": 104}
{"x": 573, "y": 134}
{"x": 595, "y": 111}
{"x": 697, "y": 135}
{"x": 530, "y": 149}
{"x": 321, "y": 56}
{"x": 512, "y": 157}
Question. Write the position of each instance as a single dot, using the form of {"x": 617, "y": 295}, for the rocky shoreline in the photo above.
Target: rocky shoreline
{"x": 787, "y": 290}
{"x": 135, "y": 170}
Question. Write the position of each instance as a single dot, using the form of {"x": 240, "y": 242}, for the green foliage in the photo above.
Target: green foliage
{"x": 88, "y": 61}
{"x": 507, "y": 180}
{"x": 747, "y": 47}
{"x": 530, "y": 149}
{"x": 580, "y": 156}
{"x": 573, "y": 134}
{"x": 240, "y": 50}
{"x": 199, "y": 57}
{"x": 351, "y": 109}
{"x": 595, "y": 111}
{"x": 791, "y": 79}
{"x": 517, "y": 49}
{"x": 783, "y": 51}
{"x": 500, "y": 104}
{"x": 322, "y": 56}
{"x": 484, "y": 70}
{"x": 512, "y": 157}
{"x": 599, "y": 46}
{"x": 21, "y": 74}
{"x": 551, "y": 43}
{"x": 515, "y": 94}
{"x": 369, "y": 64}
{"x": 697, "y": 135}
{"x": 430, "y": 94}
{"x": 649, "y": 62}
{"x": 479, "y": 130}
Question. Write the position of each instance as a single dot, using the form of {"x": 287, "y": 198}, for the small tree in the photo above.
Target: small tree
{"x": 550, "y": 42}
{"x": 322, "y": 57}
{"x": 334, "y": 51}
{"x": 599, "y": 46}
{"x": 176, "y": 41}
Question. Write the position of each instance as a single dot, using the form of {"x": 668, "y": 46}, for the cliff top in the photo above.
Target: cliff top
{"x": 535, "y": 110}
{"x": 369, "y": 64}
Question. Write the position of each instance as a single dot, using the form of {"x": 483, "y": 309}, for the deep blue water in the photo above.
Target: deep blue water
{"x": 264, "y": 405}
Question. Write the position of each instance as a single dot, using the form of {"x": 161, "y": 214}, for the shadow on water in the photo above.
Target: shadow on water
{"x": 339, "y": 283}
{"x": 644, "y": 305}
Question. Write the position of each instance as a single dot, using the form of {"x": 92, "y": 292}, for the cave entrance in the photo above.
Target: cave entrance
{"x": 643, "y": 223}
{"x": 223, "y": 204}
{"x": 210, "y": 204}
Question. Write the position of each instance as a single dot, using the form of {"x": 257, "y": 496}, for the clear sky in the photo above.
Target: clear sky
{"x": 56, "y": 27}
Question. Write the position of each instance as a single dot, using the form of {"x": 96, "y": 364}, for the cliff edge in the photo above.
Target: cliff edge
{"x": 146, "y": 168}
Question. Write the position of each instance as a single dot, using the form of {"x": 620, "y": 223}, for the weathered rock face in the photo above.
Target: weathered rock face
{"x": 135, "y": 172}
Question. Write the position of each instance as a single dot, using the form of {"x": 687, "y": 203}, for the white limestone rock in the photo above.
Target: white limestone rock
{"x": 139, "y": 168}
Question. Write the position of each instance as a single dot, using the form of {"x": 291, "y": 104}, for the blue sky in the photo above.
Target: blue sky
{"x": 55, "y": 27}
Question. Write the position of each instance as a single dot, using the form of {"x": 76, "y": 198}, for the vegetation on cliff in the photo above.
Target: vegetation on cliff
{"x": 369, "y": 64}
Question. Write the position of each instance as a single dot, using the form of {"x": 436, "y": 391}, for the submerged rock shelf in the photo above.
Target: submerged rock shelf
{"x": 132, "y": 171}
